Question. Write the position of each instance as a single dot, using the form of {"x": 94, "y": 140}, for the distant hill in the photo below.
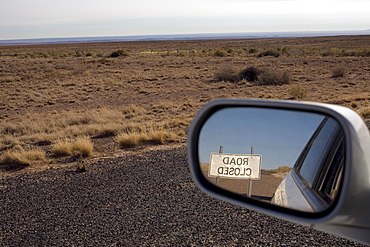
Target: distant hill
{"x": 249, "y": 35}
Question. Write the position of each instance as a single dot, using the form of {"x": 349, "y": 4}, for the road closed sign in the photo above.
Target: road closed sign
{"x": 235, "y": 166}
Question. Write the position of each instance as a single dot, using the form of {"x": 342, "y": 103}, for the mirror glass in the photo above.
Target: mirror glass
{"x": 289, "y": 158}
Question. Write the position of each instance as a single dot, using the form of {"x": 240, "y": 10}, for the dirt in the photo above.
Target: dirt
{"x": 262, "y": 189}
{"x": 173, "y": 79}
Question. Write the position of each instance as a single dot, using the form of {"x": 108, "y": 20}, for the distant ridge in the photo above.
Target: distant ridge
{"x": 250, "y": 35}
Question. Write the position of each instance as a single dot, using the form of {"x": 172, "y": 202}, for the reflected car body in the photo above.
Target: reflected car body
{"x": 315, "y": 178}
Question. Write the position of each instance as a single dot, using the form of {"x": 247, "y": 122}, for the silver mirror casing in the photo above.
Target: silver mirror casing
{"x": 349, "y": 215}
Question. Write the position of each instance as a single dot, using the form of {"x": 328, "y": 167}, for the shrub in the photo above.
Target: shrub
{"x": 81, "y": 165}
{"x": 365, "y": 53}
{"x": 119, "y": 53}
{"x": 253, "y": 50}
{"x": 270, "y": 76}
{"x": 338, "y": 72}
{"x": 250, "y": 74}
{"x": 270, "y": 53}
{"x": 230, "y": 51}
{"x": 283, "y": 169}
{"x": 228, "y": 74}
{"x": 285, "y": 49}
{"x": 298, "y": 92}
{"x": 220, "y": 53}
{"x": 331, "y": 52}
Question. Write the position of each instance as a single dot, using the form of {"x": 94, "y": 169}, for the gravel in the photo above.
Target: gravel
{"x": 136, "y": 200}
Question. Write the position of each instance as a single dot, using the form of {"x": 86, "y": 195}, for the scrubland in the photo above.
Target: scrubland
{"x": 73, "y": 103}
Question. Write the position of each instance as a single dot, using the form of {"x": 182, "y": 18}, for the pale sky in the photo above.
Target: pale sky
{"x": 266, "y": 130}
{"x": 21, "y": 19}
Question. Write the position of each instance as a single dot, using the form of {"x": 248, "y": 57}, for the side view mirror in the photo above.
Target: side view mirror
{"x": 304, "y": 162}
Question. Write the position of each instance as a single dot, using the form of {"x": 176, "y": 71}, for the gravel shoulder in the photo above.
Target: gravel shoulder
{"x": 146, "y": 199}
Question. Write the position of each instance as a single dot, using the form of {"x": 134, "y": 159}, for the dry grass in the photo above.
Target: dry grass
{"x": 338, "y": 72}
{"x": 250, "y": 74}
{"x": 81, "y": 166}
{"x": 62, "y": 147}
{"x": 298, "y": 92}
{"x": 271, "y": 76}
{"x": 227, "y": 74}
{"x": 149, "y": 134}
{"x": 83, "y": 146}
{"x": 220, "y": 53}
{"x": 365, "y": 113}
{"x": 269, "y": 53}
{"x": 19, "y": 156}
{"x": 127, "y": 140}
{"x": 162, "y": 136}
{"x": 283, "y": 169}
{"x": 59, "y": 92}
{"x": 260, "y": 76}
{"x": 80, "y": 146}
{"x": 56, "y": 125}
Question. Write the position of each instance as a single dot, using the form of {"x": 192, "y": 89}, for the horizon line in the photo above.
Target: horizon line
{"x": 190, "y": 36}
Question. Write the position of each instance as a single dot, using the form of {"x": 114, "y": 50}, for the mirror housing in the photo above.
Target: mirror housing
{"x": 349, "y": 215}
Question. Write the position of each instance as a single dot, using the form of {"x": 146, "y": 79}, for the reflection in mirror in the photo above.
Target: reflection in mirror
{"x": 288, "y": 158}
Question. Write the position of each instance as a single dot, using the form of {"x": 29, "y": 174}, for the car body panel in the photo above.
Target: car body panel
{"x": 315, "y": 179}
{"x": 288, "y": 195}
{"x": 349, "y": 215}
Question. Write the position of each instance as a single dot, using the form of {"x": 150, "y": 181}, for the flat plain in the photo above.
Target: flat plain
{"x": 100, "y": 91}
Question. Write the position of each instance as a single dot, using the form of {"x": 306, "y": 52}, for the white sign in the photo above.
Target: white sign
{"x": 235, "y": 166}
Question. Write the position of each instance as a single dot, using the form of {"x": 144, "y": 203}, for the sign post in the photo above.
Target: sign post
{"x": 249, "y": 194}
{"x": 220, "y": 152}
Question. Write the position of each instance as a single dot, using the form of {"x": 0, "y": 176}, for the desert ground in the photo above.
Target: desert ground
{"x": 105, "y": 92}
{"x": 262, "y": 189}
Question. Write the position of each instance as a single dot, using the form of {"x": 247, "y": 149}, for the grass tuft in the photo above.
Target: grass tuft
{"x": 81, "y": 146}
{"x": 162, "y": 136}
{"x": 23, "y": 157}
{"x": 128, "y": 140}
{"x": 133, "y": 139}
{"x": 62, "y": 147}
{"x": 298, "y": 92}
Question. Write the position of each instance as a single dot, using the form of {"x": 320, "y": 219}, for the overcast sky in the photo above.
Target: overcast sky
{"x": 88, "y": 18}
